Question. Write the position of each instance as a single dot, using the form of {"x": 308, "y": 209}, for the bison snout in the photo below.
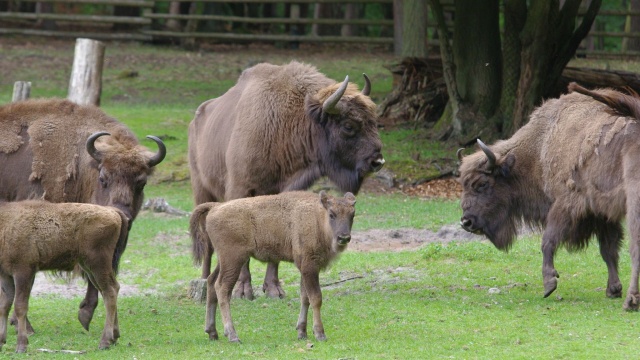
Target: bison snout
{"x": 377, "y": 164}
{"x": 344, "y": 239}
{"x": 468, "y": 225}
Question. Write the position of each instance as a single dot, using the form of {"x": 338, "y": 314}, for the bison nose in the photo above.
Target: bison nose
{"x": 344, "y": 239}
{"x": 466, "y": 223}
{"x": 377, "y": 164}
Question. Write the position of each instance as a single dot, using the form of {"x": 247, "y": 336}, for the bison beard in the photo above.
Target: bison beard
{"x": 573, "y": 171}
{"x": 281, "y": 128}
{"x": 63, "y": 152}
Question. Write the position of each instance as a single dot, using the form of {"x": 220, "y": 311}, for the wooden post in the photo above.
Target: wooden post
{"x": 295, "y": 28}
{"x": 21, "y": 90}
{"x": 85, "y": 85}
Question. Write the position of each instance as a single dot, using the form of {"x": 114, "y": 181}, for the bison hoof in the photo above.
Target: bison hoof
{"x": 85, "y": 317}
{"x": 614, "y": 292}
{"x": 302, "y": 335}
{"x": 21, "y": 349}
{"x": 273, "y": 291}
{"x": 243, "y": 290}
{"x": 321, "y": 337}
{"x": 234, "y": 339}
{"x": 632, "y": 301}
{"x": 550, "y": 286}
{"x": 213, "y": 335}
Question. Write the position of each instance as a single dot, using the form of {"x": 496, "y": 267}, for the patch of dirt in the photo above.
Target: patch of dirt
{"x": 47, "y": 285}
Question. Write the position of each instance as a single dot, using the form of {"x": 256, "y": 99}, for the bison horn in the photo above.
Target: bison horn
{"x": 330, "y": 104}
{"x": 489, "y": 153}
{"x": 159, "y": 156}
{"x": 367, "y": 85}
{"x": 91, "y": 147}
{"x": 459, "y": 153}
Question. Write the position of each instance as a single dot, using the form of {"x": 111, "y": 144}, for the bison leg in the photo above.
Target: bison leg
{"x": 23, "y": 283}
{"x": 610, "y": 239}
{"x": 271, "y": 285}
{"x": 229, "y": 272}
{"x": 311, "y": 279}
{"x": 212, "y": 303}
{"x": 632, "y": 301}
{"x": 243, "y": 286}
{"x": 304, "y": 310}
{"x": 7, "y": 293}
{"x": 14, "y": 319}
{"x": 554, "y": 233}
{"x": 88, "y": 306}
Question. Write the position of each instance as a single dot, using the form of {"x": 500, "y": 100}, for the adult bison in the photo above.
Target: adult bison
{"x": 280, "y": 128}
{"x": 573, "y": 170}
{"x": 56, "y": 150}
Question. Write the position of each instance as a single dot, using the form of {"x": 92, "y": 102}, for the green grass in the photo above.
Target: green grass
{"x": 428, "y": 303}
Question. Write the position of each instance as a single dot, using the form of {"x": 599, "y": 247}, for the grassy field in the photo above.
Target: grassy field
{"x": 462, "y": 300}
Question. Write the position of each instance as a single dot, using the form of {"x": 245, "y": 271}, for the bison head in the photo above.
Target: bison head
{"x": 123, "y": 167}
{"x": 488, "y": 198}
{"x": 341, "y": 212}
{"x": 349, "y": 144}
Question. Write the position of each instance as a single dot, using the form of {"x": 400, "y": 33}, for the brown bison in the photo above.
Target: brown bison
{"x": 280, "y": 128}
{"x": 307, "y": 229}
{"x": 38, "y": 236}
{"x": 63, "y": 152}
{"x": 573, "y": 170}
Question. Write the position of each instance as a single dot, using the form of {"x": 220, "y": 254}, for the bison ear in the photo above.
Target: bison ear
{"x": 507, "y": 164}
{"x": 324, "y": 199}
{"x": 313, "y": 108}
{"x": 350, "y": 198}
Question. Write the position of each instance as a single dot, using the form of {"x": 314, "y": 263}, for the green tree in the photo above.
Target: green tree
{"x": 494, "y": 83}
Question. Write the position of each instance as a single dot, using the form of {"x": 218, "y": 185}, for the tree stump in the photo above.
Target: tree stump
{"x": 198, "y": 290}
{"x": 21, "y": 91}
{"x": 85, "y": 85}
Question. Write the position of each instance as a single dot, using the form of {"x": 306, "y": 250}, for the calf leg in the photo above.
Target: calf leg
{"x": 311, "y": 280}
{"x": 271, "y": 285}
{"x": 609, "y": 236}
{"x": 212, "y": 303}
{"x": 14, "y": 320}
{"x": 243, "y": 286}
{"x": 109, "y": 289}
{"x": 554, "y": 233}
{"x": 7, "y": 293}
{"x": 229, "y": 272}
{"x": 304, "y": 310}
{"x": 23, "y": 281}
{"x": 88, "y": 305}
{"x": 633, "y": 221}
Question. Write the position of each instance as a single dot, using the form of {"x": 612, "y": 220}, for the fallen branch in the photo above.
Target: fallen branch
{"x": 75, "y": 352}
{"x": 343, "y": 280}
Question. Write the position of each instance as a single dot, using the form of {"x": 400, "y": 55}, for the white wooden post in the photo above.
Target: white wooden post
{"x": 21, "y": 90}
{"x": 85, "y": 85}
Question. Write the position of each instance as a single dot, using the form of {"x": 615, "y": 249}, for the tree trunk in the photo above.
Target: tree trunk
{"x": 477, "y": 55}
{"x": 350, "y": 13}
{"x": 633, "y": 44}
{"x": 414, "y": 28}
{"x": 398, "y": 13}
{"x": 174, "y": 24}
{"x": 85, "y": 86}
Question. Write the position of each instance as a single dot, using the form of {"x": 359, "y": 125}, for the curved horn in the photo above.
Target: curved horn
{"x": 459, "y": 154}
{"x": 159, "y": 156}
{"x": 330, "y": 104}
{"x": 91, "y": 147}
{"x": 489, "y": 153}
{"x": 366, "y": 90}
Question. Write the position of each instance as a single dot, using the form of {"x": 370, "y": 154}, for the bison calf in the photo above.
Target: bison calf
{"x": 307, "y": 229}
{"x": 38, "y": 235}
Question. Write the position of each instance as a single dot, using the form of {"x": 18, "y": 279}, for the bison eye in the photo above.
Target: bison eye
{"x": 332, "y": 215}
{"x": 348, "y": 129}
{"x": 103, "y": 182}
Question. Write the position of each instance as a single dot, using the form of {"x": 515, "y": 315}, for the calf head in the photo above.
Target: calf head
{"x": 123, "y": 168}
{"x": 341, "y": 212}
{"x": 350, "y": 146}
{"x": 488, "y": 196}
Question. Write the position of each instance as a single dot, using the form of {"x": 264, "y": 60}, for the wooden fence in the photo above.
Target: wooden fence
{"x": 220, "y": 20}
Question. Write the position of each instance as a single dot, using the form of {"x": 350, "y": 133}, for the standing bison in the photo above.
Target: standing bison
{"x": 63, "y": 152}
{"x": 574, "y": 170}
{"x": 280, "y": 128}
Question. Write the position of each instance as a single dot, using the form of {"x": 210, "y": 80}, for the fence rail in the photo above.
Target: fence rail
{"x": 299, "y": 22}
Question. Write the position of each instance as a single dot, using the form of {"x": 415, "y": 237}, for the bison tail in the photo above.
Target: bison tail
{"x": 122, "y": 241}
{"x": 619, "y": 103}
{"x": 200, "y": 242}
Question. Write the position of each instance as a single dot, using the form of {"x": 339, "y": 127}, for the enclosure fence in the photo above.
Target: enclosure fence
{"x": 233, "y": 21}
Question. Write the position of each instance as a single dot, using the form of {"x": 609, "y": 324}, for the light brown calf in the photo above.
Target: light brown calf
{"x": 38, "y": 235}
{"x": 307, "y": 229}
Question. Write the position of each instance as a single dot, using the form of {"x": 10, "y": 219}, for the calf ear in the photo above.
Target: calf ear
{"x": 313, "y": 108}
{"x": 507, "y": 165}
{"x": 324, "y": 199}
{"x": 350, "y": 198}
